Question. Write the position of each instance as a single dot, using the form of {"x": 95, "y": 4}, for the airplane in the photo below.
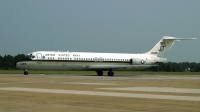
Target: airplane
{"x": 99, "y": 62}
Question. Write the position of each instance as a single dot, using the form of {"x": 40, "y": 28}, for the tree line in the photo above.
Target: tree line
{"x": 7, "y": 62}
{"x": 176, "y": 67}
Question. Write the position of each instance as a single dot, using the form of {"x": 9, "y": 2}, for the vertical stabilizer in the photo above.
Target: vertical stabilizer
{"x": 164, "y": 45}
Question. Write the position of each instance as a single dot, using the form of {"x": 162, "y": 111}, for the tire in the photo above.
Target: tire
{"x": 110, "y": 73}
{"x": 26, "y": 73}
{"x": 99, "y": 73}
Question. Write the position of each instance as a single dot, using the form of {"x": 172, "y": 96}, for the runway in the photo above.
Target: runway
{"x": 119, "y": 93}
{"x": 168, "y": 97}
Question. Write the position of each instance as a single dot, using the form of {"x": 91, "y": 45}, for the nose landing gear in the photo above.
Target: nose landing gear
{"x": 25, "y": 72}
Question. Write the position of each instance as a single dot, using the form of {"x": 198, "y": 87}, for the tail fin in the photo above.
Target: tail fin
{"x": 164, "y": 45}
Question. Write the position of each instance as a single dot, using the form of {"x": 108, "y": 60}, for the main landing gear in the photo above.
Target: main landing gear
{"x": 100, "y": 73}
{"x": 110, "y": 73}
{"x": 25, "y": 72}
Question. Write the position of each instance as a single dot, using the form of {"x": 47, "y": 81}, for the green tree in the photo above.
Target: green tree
{"x": 19, "y": 56}
{"x": 1, "y": 62}
{"x": 168, "y": 67}
{"x": 8, "y": 62}
{"x": 192, "y": 66}
{"x": 197, "y": 68}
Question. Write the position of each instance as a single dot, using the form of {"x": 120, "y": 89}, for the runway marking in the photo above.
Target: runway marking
{"x": 17, "y": 83}
{"x": 164, "y": 97}
{"x": 86, "y": 83}
{"x": 158, "y": 89}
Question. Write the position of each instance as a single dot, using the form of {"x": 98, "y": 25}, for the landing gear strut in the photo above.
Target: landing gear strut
{"x": 99, "y": 73}
{"x": 25, "y": 72}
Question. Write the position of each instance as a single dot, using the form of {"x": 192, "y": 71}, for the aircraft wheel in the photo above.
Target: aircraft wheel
{"x": 110, "y": 73}
{"x": 99, "y": 73}
{"x": 25, "y": 72}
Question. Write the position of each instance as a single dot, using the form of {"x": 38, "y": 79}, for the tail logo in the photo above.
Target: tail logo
{"x": 162, "y": 46}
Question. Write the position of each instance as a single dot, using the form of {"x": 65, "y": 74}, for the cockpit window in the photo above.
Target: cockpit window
{"x": 30, "y": 56}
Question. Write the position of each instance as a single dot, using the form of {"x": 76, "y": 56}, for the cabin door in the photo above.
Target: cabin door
{"x": 39, "y": 58}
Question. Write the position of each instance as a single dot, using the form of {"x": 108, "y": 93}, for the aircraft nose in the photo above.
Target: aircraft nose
{"x": 21, "y": 60}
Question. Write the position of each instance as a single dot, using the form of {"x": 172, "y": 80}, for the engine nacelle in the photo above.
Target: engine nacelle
{"x": 135, "y": 61}
{"x": 162, "y": 60}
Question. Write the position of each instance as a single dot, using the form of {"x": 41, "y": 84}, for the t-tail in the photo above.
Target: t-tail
{"x": 164, "y": 45}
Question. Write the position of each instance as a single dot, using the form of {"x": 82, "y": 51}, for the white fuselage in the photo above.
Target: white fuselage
{"x": 85, "y": 61}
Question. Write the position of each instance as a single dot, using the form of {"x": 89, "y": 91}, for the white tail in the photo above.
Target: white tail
{"x": 164, "y": 45}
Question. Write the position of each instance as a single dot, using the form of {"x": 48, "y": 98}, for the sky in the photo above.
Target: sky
{"x": 111, "y": 26}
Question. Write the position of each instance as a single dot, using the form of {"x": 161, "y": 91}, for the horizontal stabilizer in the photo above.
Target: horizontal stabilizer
{"x": 174, "y": 38}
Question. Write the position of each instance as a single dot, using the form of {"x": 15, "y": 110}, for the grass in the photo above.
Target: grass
{"x": 48, "y": 72}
